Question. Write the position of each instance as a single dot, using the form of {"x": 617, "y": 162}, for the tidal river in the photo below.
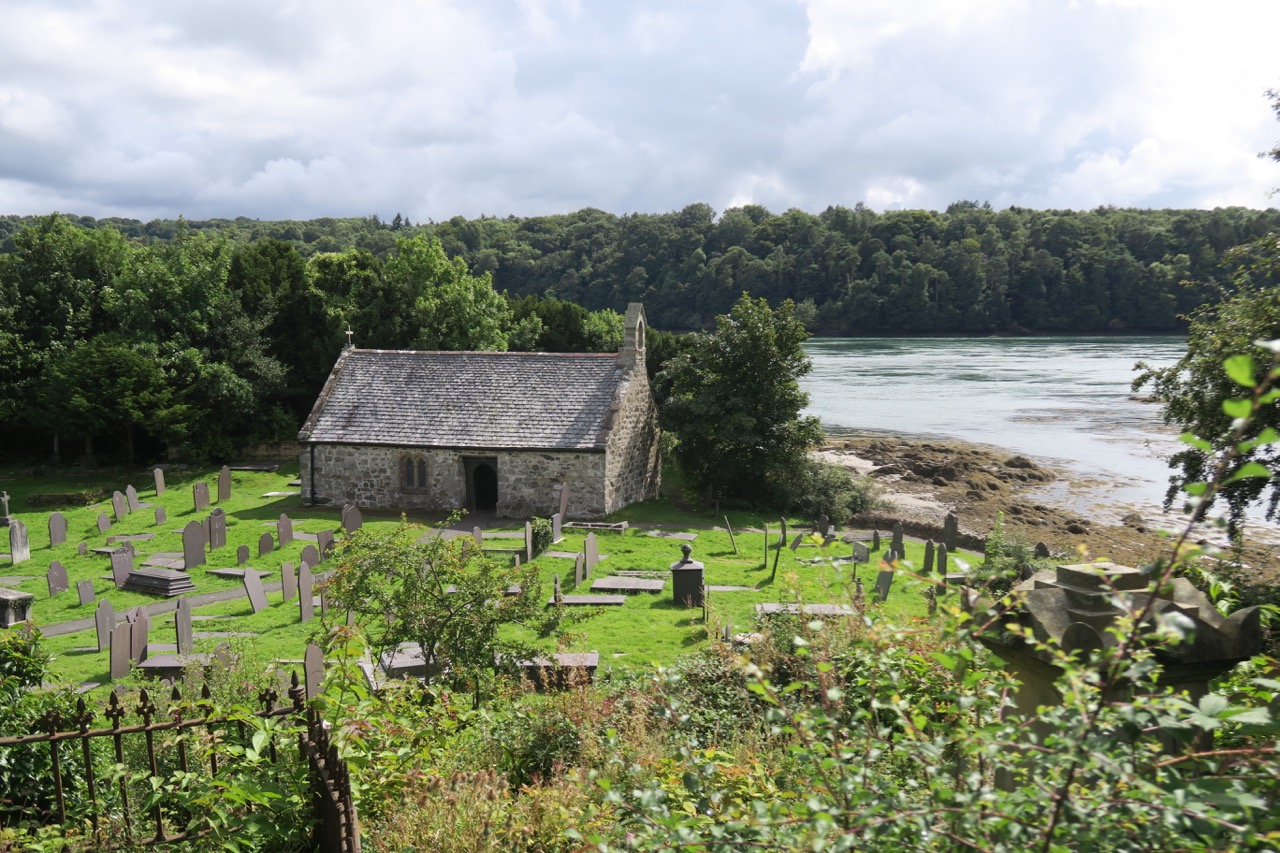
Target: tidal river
{"x": 1063, "y": 400}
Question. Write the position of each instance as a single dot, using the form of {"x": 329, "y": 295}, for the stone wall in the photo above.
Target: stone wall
{"x": 634, "y": 472}
{"x": 529, "y": 483}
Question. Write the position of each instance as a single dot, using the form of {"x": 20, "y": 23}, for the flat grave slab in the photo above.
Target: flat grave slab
{"x": 131, "y": 537}
{"x": 295, "y": 482}
{"x": 404, "y": 661}
{"x": 166, "y": 582}
{"x": 563, "y": 555}
{"x": 504, "y": 534}
{"x": 14, "y": 580}
{"x": 808, "y": 609}
{"x": 217, "y": 635}
{"x": 560, "y": 670}
{"x": 106, "y": 552}
{"x": 589, "y": 600}
{"x": 230, "y": 574}
{"x": 171, "y": 666}
{"x": 280, "y": 494}
{"x": 664, "y": 534}
{"x": 165, "y": 560}
{"x": 732, "y": 589}
{"x": 624, "y": 585}
{"x": 614, "y": 527}
{"x": 267, "y": 467}
{"x": 305, "y": 537}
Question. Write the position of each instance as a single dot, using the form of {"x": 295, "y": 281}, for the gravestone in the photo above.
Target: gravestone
{"x": 57, "y": 579}
{"x": 119, "y": 507}
{"x": 121, "y": 641}
{"x": 579, "y": 569}
{"x": 951, "y": 531}
{"x": 733, "y": 542}
{"x": 861, "y": 554}
{"x": 1042, "y": 551}
{"x": 131, "y": 495}
{"x": 182, "y": 627}
{"x": 57, "y": 529}
{"x": 19, "y": 545}
{"x": 556, "y": 597}
{"x": 313, "y": 670}
{"x": 557, "y": 527}
{"x": 104, "y": 522}
{"x": 942, "y": 559}
{"x": 477, "y": 534}
{"x": 224, "y": 484}
{"x": 200, "y": 496}
{"x": 4, "y": 509}
{"x": 884, "y": 580}
{"x": 284, "y": 530}
{"x": 217, "y": 529}
{"x": 590, "y": 552}
{"x": 310, "y": 555}
{"x": 928, "y": 556}
{"x": 207, "y": 524}
{"x": 162, "y": 517}
{"x": 528, "y": 541}
{"x": 324, "y": 544}
{"x": 288, "y": 582}
{"x": 795, "y": 543}
{"x": 15, "y": 606}
{"x": 931, "y": 599}
{"x": 141, "y": 630}
{"x": 158, "y": 474}
{"x": 85, "y": 590}
{"x": 564, "y": 501}
{"x": 875, "y": 539}
{"x": 352, "y": 518}
{"x": 104, "y": 620}
{"x": 266, "y": 544}
{"x": 306, "y": 592}
{"x": 192, "y": 545}
{"x": 824, "y": 525}
{"x": 83, "y": 549}
{"x": 242, "y": 555}
{"x": 121, "y": 565}
{"x": 253, "y": 589}
{"x": 897, "y": 539}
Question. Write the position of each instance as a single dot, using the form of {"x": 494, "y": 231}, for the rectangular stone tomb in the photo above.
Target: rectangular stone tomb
{"x": 404, "y": 661}
{"x": 664, "y": 534}
{"x": 589, "y": 600}
{"x": 610, "y": 526}
{"x": 565, "y": 669}
{"x": 171, "y": 666}
{"x": 624, "y": 585}
{"x": 808, "y": 609}
{"x": 166, "y": 582}
{"x": 15, "y": 607}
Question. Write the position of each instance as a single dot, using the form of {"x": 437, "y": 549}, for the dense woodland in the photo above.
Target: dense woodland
{"x": 198, "y": 337}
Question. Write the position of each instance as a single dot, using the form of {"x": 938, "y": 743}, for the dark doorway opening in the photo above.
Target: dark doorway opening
{"x": 482, "y": 483}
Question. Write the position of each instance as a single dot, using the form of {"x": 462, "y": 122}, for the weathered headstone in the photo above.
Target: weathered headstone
{"x": 57, "y": 529}
{"x": 477, "y": 533}
{"x": 942, "y": 559}
{"x": 224, "y": 484}
{"x": 242, "y": 555}
{"x": 217, "y": 529}
{"x": 19, "y": 545}
{"x": 875, "y": 539}
{"x": 564, "y": 501}
{"x": 141, "y": 631}
{"x": 4, "y": 509}
{"x": 84, "y": 589}
{"x": 121, "y": 565}
{"x": 288, "y": 581}
{"x": 897, "y": 539}
{"x": 310, "y": 555}
{"x": 104, "y": 522}
{"x": 555, "y": 590}
{"x": 528, "y": 540}
{"x": 306, "y": 592}
{"x": 884, "y": 580}
{"x": 57, "y": 579}
{"x": 1042, "y": 551}
{"x": 928, "y": 556}
{"x": 104, "y": 620}
{"x": 83, "y": 549}
{"x": 182, "y": 627}
{"x": 192, "y": 545}
{"x": 158, "y": 474}
{"x": 795, "y": 543}
{"x": 284, "y": 530}
{"x": 591, "y": 552}
{"x": 557, "y": 527}
{"x": 579, "y": 569}
{"x": 824, "y": 524}
{"x": 200, "y": 496}
{"x": 313, "y": 670}
{"x": 352, "y": 518}
{"x": 266, "y": 544}
{"x": 951, "y": 531}
{"x": 324, "y": 544}
{"x": 861, "y": 553}
{"x": 131, "y": 495}
{"x": 253, "y": 589}
{"x": 119, "y": 506}
{"x": 162, "y": 517}
{"x": 121, "y": 641}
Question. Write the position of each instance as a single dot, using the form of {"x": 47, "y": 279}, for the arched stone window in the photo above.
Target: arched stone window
{"x": 413, "y": 473}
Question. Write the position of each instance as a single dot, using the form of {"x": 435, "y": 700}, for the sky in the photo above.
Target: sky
{"x": 437, "y": 108}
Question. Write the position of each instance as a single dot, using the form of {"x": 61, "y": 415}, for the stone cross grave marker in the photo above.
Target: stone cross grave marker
{"x": 83, "y": 549}
{"x": 121, "y": 640}
{"x": 158, "y": 474}
{"x": 57, "y": 529}
{"x": 861, "y": 553}
{"x": 951, "y": 531}
{"x": 324, "y": 543}
{"x": 121, "y": 565}
{"x": 284, "y": 530}
{"x": 253, "y": 588}
{"x": 579, "y": 569}
{"x": 288, "y": 581}
{"x": 528, "y": 540}
{"x": 131, "y": 495}
{"x": 104, "y": 620}
{"x": 352, "y": 518}
{"x": 200, "y": 496}
{"x": 884, "y": 580}
{"x": 875, "y": 539}
{"x": 266, "y": 544}
{"x": 310, "y": 555}
{"x": 84, "y": 589}
{"x": 162, "y": 517}
{"x": 192, "y": 545}
{"x": 313, "y": 670}
{"x": 19, "y": 544}
{"x": 591, "y": 552}
{"x": 104, "y": 522}
{"x": 119, "y": 506}
{"x": 57, "y": 579}
{"x": 242, "y": 555}
{"x": 141, "y": 631}
{"x": 897, "y": 539}
{"x": 557, "y": 527}
{"x": 928, "y": 556}
{"x": 306, "y": 592}
{"x": 182, "y": 627}
{"x": 217, "y": 529}
{"x": 224, "y": 484}
{"x": 942, "y": 559}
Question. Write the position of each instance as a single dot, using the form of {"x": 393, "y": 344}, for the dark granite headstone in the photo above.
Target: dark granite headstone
{"x": 284, "y": 530}
{"x": 242, "y": 555}
{"x": 1042, "y": 551}
{"x": 57, "y": 578}
{"x": 564, "y": 501}
{"x": 121, "y": 642}
{"x": 182, "y": 627}
{"x": 897, "y": 539}
{"x": 875, "y": 539}
{"x": 795, "y": 543}
{"x": 310, "y": 555}
{"x": 224, "y": 484}
{"x": 824, "y": 524}
{"x": 57, "y": 529}
{"x": 121, "y": 565}
{"x": 119, "y": 506}
{"x": 591, "y": 551}
{"x": 158, "y": 474}
{"x": 192, "y": 545}
{"x": 104, "y": 620}
{"x": 313, "y": 669}
{"x": 324, "y": 544}
{"x": 861, "y": 554}
{"x": 306, "y": 592}
{"x": 162, "y": 517}
{"x": 884, "y": 580}
{"x": 266, "y": 544}
{"x": 942, "y": 559}
{"x": 84, "y": 589}
{"x": 951, "y": 531}
{"x": 200, "y": 496}
{"x": 288, "y": 581}
{"x": 104, "y": 522}
{"x": 217, "y": 529}
{"x": 352, "y": 518}
{"x": 141, "y": 631}
{"x": 19, "y": 545}
{"x": 928, "y": 556}
{"x": 253, "y": 589}
{"x": 131, "y": 495}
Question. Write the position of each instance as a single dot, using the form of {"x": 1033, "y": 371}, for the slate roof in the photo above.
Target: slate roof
{"x": 480, "y": 400}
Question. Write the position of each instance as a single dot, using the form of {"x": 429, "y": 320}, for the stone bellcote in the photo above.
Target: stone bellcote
{"x": 631, "y": 355}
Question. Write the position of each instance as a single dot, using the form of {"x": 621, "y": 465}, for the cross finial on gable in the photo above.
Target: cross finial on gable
{"x": 349, "y": 334}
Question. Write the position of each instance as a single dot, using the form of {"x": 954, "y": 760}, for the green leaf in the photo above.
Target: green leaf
{"x": 1196, "y": 442}
{"x": 1240, "y": 368}
{"x": 1195, "y": 489}
{"x": 1237, "y": 408}
{"x": 1247, "y": 470}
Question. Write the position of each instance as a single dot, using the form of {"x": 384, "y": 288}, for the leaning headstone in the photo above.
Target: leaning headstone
{"x": 324, "y": 543}
{"x": 121, "y": 641}
{"x": 942, "y": 559}
{"x": 310, "y": 555}
{"x": 795, "y": 543}
{"x": 288, "y": 581}
{"x": 104, "y": 522}
{"x": 352, "y": 518}
{"x": 564, "y": 501}
{"x": 528, "y": 540}
{"x": 162, "y": 517}
{"x": 897, "y": 538}
{"x": 104, "y": 620}
{"x": 19, "y": 545}
{"x": 57, "y": 579}
{"x": 861, "y": 554}
{"x": 121, "y": 565}
{"x": 284, "y": 530}
{"x": 579, "y": 569}
{"x": 732, "y": 541}
{"x": 242, "y": 555}
{"x": 141, "y": 631}
{"x": 884, "y": 580}
{"x": 266, "y": 544}
{"x": 84, "y": 589}
{"x": 875, "y": 539}
{"x": 182, "y": 627}
{"x": 200, "y": 496}
{"x": 158, "y": 473}
{"x": 951, "y": 531}
{"x": 928, "y": 556}
{"x": 313, "y": 670}
{"x": 192, "y": 545}
{"x": 57, "y": 529}
{"x": 131, "y": 495}
{"x": 557, "y": 531}
{"x": 119, "y": 506}
{"x": 253, "y": 589}
{"x": 306, "y": 592}
{"x": 217, "y": 529}
{"x": 591, "y": 551}
{"x": 224, "y": 484}
{"x": 83, "y": 549}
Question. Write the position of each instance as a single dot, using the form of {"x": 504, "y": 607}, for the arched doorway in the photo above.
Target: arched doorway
{"x": 482, "y": 483}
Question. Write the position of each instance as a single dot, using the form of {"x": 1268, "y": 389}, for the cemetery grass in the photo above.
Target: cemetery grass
{"x": 648, "y": 629}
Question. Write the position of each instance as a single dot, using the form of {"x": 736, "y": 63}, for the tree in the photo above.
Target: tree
{"x": 733, "y": 401}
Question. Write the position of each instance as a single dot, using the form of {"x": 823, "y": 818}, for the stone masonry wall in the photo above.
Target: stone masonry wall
{"x": 634, "y": 472}
{"x": 529, "y": 483}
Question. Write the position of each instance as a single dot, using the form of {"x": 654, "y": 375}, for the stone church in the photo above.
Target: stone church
{"x": 485, "y": 431}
